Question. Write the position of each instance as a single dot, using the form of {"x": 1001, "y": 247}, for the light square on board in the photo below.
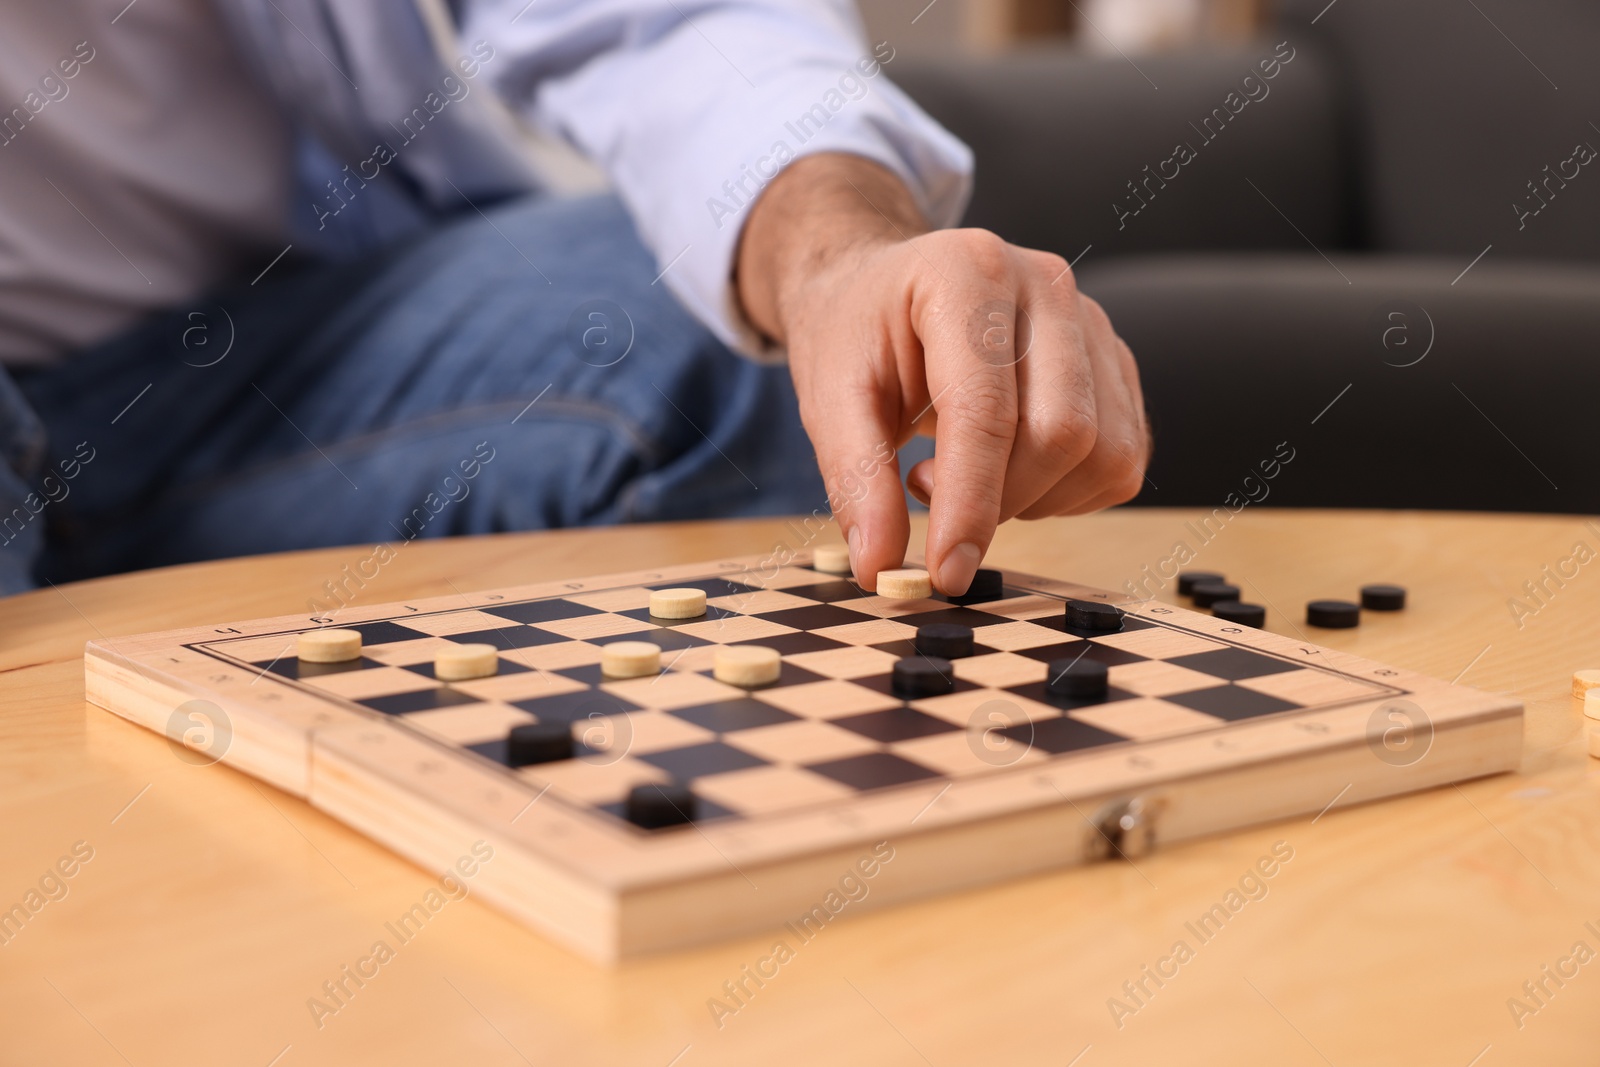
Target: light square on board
{"x": 640, "y": 732}
{"x": 1017, "y": 636}
{"x": 466, "y": 621}
{"x": 825, "y": 700}
{"x": 762, "y": 790}
{"x": 997, "y": 670}
{"x": 1157, "y": 678}
{"x": 694, "y": 658}
{"x": 672, "y": 689}
{"x": 1307, "y": 687}
{"x": 871, "y": 632}
{"x": 593, "y": 778}
{"x": 524, "y": 685}
{"x": 883, "y": 607}
{"x": 628, "y": 598}
{"x": 407, "y": 653}
{"x": 601, "y": 624}
{"x": 804, "y": 741}
{"x": 1143, "y": 719}
{"x": 979, "y": 705}
{"x": 968, "y": 752}
{"x": 377, "y": 682}
{"x": 788, "y": 578}
{"x": 257, "y": 649}
{"x": 554, "y": 657}
{"x": 759, "y": 602}
{"x": 855, "y": 661}
{"x": 731, "y": 628}
{"x": 1158, "y": 642}
{"x": 468, "y": 724}
{"x": 1031, "y": 606}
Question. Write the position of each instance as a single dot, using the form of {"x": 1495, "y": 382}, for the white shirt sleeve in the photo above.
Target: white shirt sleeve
{"x": 692, "y": 106}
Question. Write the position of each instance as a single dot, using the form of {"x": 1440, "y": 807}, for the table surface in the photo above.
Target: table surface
{"x": 214, "y": 907}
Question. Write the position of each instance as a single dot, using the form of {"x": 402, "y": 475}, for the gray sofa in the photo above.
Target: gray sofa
{"x": 1349, "y": 257}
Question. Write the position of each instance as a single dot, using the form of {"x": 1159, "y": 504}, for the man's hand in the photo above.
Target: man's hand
{"x": 1032, "y": 399}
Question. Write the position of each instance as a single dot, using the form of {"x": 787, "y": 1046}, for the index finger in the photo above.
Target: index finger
{"x": 976, "y": 401}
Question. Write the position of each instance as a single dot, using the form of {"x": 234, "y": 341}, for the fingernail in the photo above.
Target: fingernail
{"x": 960, "y": 564}
{"x": 854, "y": 541}
{"x": 918, "y": 493}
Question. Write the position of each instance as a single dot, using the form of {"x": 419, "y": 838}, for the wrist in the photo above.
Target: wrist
{"x": 817, "y": 217}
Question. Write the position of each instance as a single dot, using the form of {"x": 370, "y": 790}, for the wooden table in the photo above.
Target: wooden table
{"x": 214, "y": 907}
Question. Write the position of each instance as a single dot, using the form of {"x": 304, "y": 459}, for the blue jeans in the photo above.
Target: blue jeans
{"x": 510, "y": 371}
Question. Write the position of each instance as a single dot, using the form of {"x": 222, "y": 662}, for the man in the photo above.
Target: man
{"x": 285, "y": 273}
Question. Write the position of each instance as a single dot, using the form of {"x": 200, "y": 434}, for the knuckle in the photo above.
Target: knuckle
{"x": 1125, "y": 481}
{"x": 985, "y": 251}
{"x": 1054, "y": 269}
{"x": 1066, "y": 435}
{"x": 1096, "y": 323}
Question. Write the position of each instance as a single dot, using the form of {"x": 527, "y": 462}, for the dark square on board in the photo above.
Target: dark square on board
{"x": 829, "y": 592}
{"x": 711, "y": 587}
{"x": 698, "y": 761}
{"x": 958, "y": 616}
{"x": 290, "y": 667}
{"x": 542, "y": 610}
{"x": 727, "y": 716}
{"x": 504, "y": 666}
{"x": 667, "y": 639}
{"x": 884, "y": 683}
{"x": 1040, "y": 692}
{"x": 788, "y": 674}
{"x": 894, "y": 724}
{"x": 872, "y": 770}
{"x": 1233, "y": 663}
{"x": 815, "y": 617}
{"x": 508, "y": 637}
{"x": 382, "y": 633}
{"x": 1056, "y": 736}
{"x": 1230, "y": 702}
{"x": 570, "y": 707}
{"x": 795, "y": 643}
{"x": 1111, "y": 657}
{"x": 422, "y": 700}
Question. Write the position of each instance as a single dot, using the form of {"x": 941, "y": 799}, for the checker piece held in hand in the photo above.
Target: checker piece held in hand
{"x": 907, "y": 584}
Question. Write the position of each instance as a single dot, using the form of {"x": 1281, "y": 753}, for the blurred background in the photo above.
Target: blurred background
{"x": 1362, "y": 232}
{"x": 1097, "y": 25}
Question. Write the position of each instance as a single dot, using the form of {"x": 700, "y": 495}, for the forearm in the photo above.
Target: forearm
{"x": 814, "y": 212}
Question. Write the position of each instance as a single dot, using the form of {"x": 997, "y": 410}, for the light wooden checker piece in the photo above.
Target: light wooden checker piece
{"x": 1222, "y": 726}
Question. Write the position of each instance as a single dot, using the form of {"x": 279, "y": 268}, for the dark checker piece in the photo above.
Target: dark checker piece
{"x": 1081, "y": 679}
{"x": 1187, "y": 580}
{"x": 1208, "y": 593}
{"x": 986, "y": 585}
{"x": 1333, "y": 614}
{"x": 1093, "y": 615}
{"x": 1383, "y": 597}
{"x": 947, "y": 640}
{"x": 923, "y": 677}
{"x": 538, "y": 742}
{"x": 1243, "y": 614}
{"x": 656, "y": 806}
